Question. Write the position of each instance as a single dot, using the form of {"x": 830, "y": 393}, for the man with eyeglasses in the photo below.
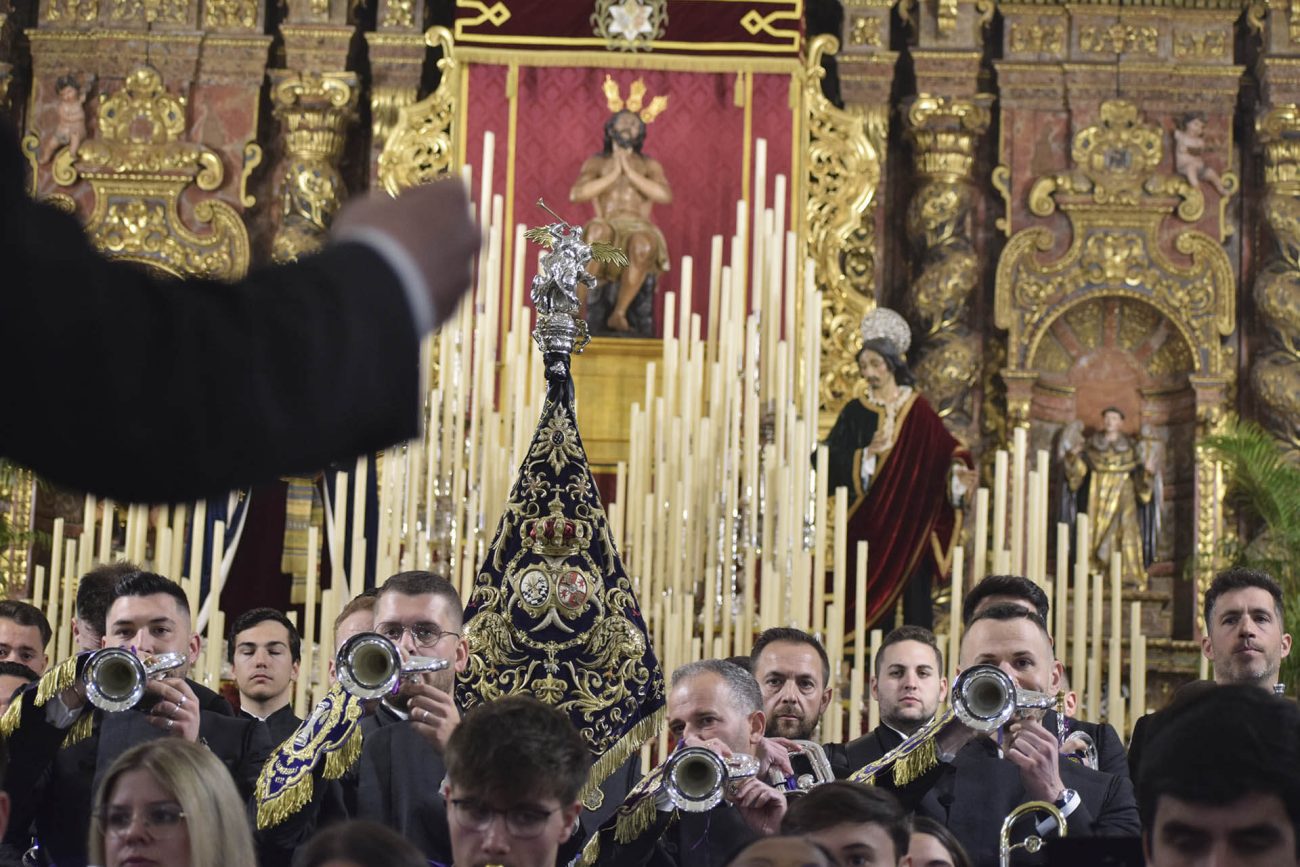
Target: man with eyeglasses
{"x": 395, "y": 780}
{"x": 515, "y": 767}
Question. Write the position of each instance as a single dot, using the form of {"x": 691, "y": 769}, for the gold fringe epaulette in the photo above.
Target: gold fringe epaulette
{"x": 12, "y": 716}
{"x": 590, "y": 852}
{"x": 613, "y": 758}
{"x": 56, "y": 680}
{"x": 909, "y": 760}
{"x": 330, "y": 736}
{"x": 81, "y": 729}
{"x": 637, "y": 812}
{"x": 53, "y": 682}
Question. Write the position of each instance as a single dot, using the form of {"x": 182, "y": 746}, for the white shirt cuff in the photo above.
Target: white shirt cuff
{"x": 58, "y": 715}
{"x": 423, "y": 314}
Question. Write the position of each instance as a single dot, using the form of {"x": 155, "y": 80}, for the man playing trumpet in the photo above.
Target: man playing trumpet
{"x": 717, "y": 706}
{"x": 977, "y": 781}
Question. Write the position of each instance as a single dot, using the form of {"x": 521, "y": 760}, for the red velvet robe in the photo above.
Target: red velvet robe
{"x": 906, "y": 515}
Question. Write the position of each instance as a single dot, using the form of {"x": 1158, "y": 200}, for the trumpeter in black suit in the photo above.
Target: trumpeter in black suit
{"x": 60, "y": 749}
{"x": 981, "y": 779}
{"x": 149, "y": 390}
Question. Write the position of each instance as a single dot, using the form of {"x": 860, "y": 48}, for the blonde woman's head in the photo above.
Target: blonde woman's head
{"x": 172, "y": 802}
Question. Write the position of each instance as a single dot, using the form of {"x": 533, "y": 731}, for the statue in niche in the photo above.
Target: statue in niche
{"x": 70, "y": 129}
{"x": 623, "y": 184}
{"x": 1189, "y": 152}
{"x": 1115, "y": 482}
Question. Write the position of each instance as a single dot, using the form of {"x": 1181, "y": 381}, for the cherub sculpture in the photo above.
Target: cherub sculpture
{"x": 1189, "y": 149}
{"x": 71, "y": 127}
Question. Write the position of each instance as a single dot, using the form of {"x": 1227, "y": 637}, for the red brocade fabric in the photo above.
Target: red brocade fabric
{"x": 698, "y": 139}
{"x": 766, "y": 28}
{"x": 906, "y": 503}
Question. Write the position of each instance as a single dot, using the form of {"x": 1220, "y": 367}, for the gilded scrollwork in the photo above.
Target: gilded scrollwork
{"x": 843, "y": 157}
{"x": 149, "y": 11}
{"x": 1117, "y": 202}
{"x": 71, "y": 11}
{"x": 945, "y": 134}
{"x": 420, "y": 148}
{"x": 1116, "y": 163}
{"x": 1119, "y": 39}
{"x": 1037, "y": 38}
{"x": 1275, "y": 373}
{"x": 315, "y": 110}
{"x": 138, "y": 166}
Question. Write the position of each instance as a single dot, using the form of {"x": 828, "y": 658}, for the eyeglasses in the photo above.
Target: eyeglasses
{"x": 157, "y": 818}
{"x": 423, "y": 634}
{"x": 521, "y": 822}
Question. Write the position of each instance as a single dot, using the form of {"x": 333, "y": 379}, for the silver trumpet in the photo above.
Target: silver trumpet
{"x": 1034, "y": 842}
{"x": 821, "y": 769}
{"x": 370, "y": 666}
{"x": 695, "y": 778}
{"x": 115, "y": 677}
{"x": 985, "y": 698}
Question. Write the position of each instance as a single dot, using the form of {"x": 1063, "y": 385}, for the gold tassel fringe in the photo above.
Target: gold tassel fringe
{"x": 636, "y": 821}
{"x": 12, "y": 716}
{"x": 590, "y": 852}
{"x": 614, "y": 757}
{"x": 918, "y": 762}
{"x": 339, "y": 761}
{"x": 81, "y": 729}
{"x": 56, "y": 680}
{"x": 290, "y": 801}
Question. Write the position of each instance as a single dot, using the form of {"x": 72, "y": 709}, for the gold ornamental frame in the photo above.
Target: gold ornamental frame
{"x": 1117, "y": 202}
{"x": 838, "y": 155}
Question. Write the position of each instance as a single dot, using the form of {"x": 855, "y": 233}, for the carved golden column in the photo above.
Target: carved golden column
{"x": 1275, "y": 373}
{"x": 396, "y": 50}
{"x": 845, "y": 166}
{"x": 315, "y": 111}
{"x": 945, "y": 133}
{"x": 6, "y": 68}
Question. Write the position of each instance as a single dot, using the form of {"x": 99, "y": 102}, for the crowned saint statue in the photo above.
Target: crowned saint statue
{"x": 1114, "y": 480}
{"x": 907, "y": 477}
{"x": 623, "y": 184}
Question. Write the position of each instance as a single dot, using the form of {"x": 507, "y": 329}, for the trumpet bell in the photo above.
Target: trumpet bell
{"x": 985, "y": 698}
{"x": 370, "y": 666}
{"x": 695, "y": 778}
{"x": 115, "y": 677}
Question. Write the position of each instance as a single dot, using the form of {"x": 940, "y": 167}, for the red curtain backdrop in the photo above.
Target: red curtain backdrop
{"x": 699, "y": 140}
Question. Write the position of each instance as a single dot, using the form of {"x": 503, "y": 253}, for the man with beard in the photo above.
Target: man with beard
{"x": 1245, "y": 637}
{"x": 395, "y": 780}
{"x": 908, "y": 682}
{"x": 793, "y": 671}
{"x": 905, "y": 474}
{"x": 60, "y": 749}
{"x": 624, "y": 185}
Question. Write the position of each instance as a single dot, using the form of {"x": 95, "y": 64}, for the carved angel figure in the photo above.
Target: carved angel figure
{"x": 555, "y": 288}
{"x": 71, "y": 127}
{"x": 1189, "y": 149}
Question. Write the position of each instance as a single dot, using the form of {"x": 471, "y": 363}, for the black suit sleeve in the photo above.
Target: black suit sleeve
{"x": 151, "y": 390}
{"x": 1111, "y": 755}
{"x": 32, "y": 748}
{"x": 1108, "y": 807}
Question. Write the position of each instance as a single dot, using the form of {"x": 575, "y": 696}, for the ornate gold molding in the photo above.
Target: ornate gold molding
{"x": 314, "y": 110}
{"x": 18, "y": 496}
{"x": 843, "y": 156}
{"x": 138, "y": 168}
{"x": 945, "y": 133}
{"x": 421, "y": 146}
{"x": 1275, "y": 373}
